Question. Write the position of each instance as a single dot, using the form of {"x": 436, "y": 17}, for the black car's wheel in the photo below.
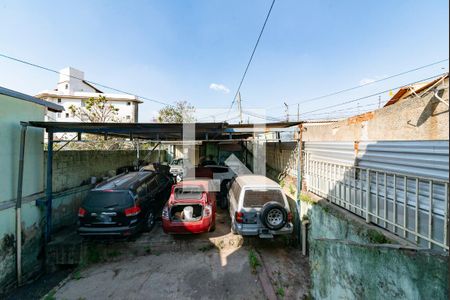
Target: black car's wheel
{"x": 273, "y": 215}
{"x": 150, "y": 221}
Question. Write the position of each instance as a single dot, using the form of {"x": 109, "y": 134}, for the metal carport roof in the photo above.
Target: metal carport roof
{"x": 162, "y": 131}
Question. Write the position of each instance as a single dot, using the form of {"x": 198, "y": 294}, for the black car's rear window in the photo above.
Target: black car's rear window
{"x": 257, "y": 198}
{"x": 188, "y": 192}
{"x": 106, "y": 199}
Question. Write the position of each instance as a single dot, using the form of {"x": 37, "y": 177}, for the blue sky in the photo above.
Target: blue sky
{"x": 174, "y": 50}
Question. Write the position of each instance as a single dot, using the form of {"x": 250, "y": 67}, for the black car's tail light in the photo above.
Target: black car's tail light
{"x": 132, "y": 211}
{"x": 81, "y": 212}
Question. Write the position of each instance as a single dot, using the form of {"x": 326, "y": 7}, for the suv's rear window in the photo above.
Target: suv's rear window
{"x": 257, "y": 198}
{"x": 188, "y": 192}
{"x": 103, "y": 199}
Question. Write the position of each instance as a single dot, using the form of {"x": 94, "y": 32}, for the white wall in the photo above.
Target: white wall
{"x": 66, "y": 116}
{"x": 70, "y": 81}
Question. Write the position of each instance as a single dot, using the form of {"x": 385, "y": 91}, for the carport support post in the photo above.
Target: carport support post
{"x": 23, "y": 133}
{"x": 49, "y": 187}
{"x": 159, "y": 152}
{"x": 299, "y": 181}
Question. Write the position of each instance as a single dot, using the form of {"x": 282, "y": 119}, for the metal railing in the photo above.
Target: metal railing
{"x": 414, "y": 208}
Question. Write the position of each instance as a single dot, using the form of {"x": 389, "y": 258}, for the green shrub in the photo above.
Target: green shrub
{"x": 306, "y": 198}
{"x": 253, "y": 261}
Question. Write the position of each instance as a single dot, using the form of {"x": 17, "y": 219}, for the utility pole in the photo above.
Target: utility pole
{"x": 239, "y": 107}
{"x": 298, "y": 112}
{"x": 286, "y": 111}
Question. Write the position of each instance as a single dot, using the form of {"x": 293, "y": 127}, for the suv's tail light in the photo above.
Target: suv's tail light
{"x": 289, "y": 216}
{"x": 81, "y": 212}
{"x": 207, "y": 211}
{"x": 132, "y": 211}
{"x": 239, "y": 217}
{"x": 165, "y": 212}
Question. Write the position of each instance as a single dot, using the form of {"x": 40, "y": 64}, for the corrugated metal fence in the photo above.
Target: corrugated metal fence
{"x": 376, "y": 179}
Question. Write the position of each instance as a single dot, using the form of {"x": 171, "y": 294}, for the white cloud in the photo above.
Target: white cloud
{"x": 219, "y": 87}
{"x": 366, "y": 81}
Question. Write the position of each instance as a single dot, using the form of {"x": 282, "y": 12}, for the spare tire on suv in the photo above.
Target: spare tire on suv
{"x": 273, "y": 215}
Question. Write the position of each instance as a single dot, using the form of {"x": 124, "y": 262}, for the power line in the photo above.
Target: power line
{"x": 351, "y": 108}
{"x": 75, "y": 77}
{"x": 260, "y": 116}
{"x": 251, "y": 56}
{"x": 347, "y": 109}
{"x": 279, "y": 118}
{"x": 369, "y": 83}
{"x": 360, "y": 86}
{"x": 379, "y": 93}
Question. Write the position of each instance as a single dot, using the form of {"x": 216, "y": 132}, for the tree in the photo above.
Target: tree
{"x": 181, "y": 112}
{"x": 95, "y": 110}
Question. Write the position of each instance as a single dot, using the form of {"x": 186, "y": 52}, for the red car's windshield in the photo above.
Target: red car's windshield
{"x": 188, "y": 192}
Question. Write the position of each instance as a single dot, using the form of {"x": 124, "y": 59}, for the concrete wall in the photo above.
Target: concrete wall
{"x": 11, "y": 113}
{"x": 75, "y": 168}
{"x": 413, "y": 118}
{"x": 31, "y": 244}
{"x": 353, "y": 260}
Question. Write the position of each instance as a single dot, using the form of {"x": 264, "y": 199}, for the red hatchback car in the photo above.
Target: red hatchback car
{"x": 191, "y": 208}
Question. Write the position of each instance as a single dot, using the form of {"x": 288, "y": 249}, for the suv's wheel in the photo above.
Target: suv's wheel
{"x": 150, "y": 221}
{"x": 273, "y": 215}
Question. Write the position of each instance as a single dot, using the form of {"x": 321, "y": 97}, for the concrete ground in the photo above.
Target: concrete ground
{"x": 207, "y": 266}
{"x": 181, "y": 275}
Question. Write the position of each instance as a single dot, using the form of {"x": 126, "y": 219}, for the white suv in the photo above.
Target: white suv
{"x": 258, "y": 206}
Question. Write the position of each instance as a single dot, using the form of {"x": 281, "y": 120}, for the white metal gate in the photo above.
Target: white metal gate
{"x": 406, "y": 202}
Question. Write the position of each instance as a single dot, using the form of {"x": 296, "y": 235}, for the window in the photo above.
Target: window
{"x": 67, "y": 115}
{"x": 141, "y": 191}
{"x": 102, "y": 200}
{"x": 59, "y": 100}
{"x": 153, "y": 186}
{"x": 67, "y": 86}
{"x": 128, "y": 103}
{"x": 83, "y": 104}
{"x": 128, "y": 117}
{"x": 236, "y": 189}
{"x": 189, "y": 192}
{"x": 58, "y": 115}
{"x": 257, "y": 198}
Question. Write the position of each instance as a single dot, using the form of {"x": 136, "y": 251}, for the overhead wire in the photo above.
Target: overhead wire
{"x": 251, "y": 57}
{"x": 324, "y": 109}
{"x": 372, "y": 95}
{"x": 367, "y": 83}
{"x": 362, "y": 85}
{"x": 75, "y": 77}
